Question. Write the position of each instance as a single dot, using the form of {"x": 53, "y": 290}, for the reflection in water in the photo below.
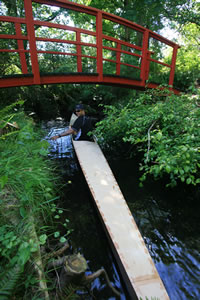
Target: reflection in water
{"x": 169, "y": 223}
{"x": 168, "y": 220}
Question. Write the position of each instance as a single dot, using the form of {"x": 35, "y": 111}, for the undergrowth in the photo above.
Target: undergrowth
{"x": 27, "y": 196}
{"x": 163, "y": 129}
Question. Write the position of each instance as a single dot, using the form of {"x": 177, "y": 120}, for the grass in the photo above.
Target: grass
{"x": 27, "y": 193}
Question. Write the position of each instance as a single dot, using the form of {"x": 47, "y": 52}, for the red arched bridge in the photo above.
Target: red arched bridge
{"x": 80, "y": 44}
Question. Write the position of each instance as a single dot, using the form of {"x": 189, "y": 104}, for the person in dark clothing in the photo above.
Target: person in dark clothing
{"x": 81, "y": 126}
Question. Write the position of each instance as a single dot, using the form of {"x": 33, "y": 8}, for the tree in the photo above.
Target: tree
{"x": 188, "y": 59}
{"x": 149, "y": 13}
{"x": 183, "y": 12}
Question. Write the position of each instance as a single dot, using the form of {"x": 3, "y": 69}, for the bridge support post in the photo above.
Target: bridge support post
{"x": 148, "y": 65}
{"x": 173, "y": 65}
{"x": 32, "y": 40}
{"x": 118, "y": 57}
{"x": 99, "y": 45}
{"x": 21, "y": 48}
{"x": 78, "y": 50}
{"x": 145, "y": 61}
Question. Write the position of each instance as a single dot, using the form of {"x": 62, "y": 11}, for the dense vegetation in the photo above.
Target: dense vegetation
{"x": 27, "y": 206}
{"x": 161, "y": 126}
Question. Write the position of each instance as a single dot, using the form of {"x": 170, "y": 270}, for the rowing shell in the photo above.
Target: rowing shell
{"x": 137, "y": 268}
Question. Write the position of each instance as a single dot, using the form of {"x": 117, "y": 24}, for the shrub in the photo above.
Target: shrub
{"x": 164, "y": 127}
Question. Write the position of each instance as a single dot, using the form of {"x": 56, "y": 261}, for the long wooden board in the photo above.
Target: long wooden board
{"x": 137, "y": 268}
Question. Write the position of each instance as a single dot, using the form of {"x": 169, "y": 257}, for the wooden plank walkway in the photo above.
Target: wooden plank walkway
{"x": 137, "y": 268}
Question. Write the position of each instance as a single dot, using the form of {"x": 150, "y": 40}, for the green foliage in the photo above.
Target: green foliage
{"x": 164, "y": 128}
{"x": 9, "y": 281}
{"x": 27, "y": 177}
{"x": 6, "y": 114}
{"x": 27, "y": 193}
{"x": 184, "y": 12}
{"x": 149, "y": 13}
{"x": 188, "y": 59}
{"x": 10, "y": 243}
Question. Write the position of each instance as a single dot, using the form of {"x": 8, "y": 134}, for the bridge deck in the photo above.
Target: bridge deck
{"x": 137, "y": 268}
{"x": 81, "y": 78}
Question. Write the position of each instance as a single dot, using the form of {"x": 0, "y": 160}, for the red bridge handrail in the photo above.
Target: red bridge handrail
{"x": 143, "y": 56}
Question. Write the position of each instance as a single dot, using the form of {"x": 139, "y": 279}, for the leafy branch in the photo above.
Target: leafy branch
{"x": 149, "y": 140}
{"x": 173, "y": 145}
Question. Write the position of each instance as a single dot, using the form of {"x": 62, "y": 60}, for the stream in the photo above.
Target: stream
{"x": 168, "y": 220}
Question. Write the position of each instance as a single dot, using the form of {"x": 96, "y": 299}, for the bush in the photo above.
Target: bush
{"x": 164, "y": 127}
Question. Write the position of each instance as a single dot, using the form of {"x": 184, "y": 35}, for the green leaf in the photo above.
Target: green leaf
{"x": 186, "y": 168}
{"x": 188, "y": 180}
{"x": 175, "y": 171}
{"x": 182, "y": 178}
{"x": 43, "y": 239}
{"x": 159, "y": 135}
{"x": 63, "y": 239}
{"x": 168, "y": 169}
{"x": 56, "y": 234}
{"x": 24, "y": 255}
{"x": 3, "y": 180}
{"x": 22, "y": 212}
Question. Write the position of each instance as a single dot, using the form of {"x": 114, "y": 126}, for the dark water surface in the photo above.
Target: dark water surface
{"x": 88, "y": 236}
{"x": 168, "y": 221}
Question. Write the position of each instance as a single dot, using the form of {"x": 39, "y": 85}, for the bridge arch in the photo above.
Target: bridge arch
{"x": 129, "y": 59}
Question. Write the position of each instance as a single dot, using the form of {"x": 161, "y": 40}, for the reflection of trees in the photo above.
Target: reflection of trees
{"x": 167, "y": 220}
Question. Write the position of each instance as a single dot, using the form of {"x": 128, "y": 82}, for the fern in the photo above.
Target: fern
{"x": 8, "y": 134}
{"x": 6, "y": 115}
{"x": 5, "y": 111}
{"x": 69, "y": 293}
{"x": 9, "y": 281}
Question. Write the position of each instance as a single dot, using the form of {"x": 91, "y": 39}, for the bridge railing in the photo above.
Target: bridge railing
{"x": 123, "y": 53}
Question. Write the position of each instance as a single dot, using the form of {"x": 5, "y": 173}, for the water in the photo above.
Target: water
{"x": 88, "y": 237}
{"x": 168, "y": 220}
{"x": 169, "y": 223}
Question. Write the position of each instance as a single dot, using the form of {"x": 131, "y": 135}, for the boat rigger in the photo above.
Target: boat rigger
{"x": 136, "y": 265}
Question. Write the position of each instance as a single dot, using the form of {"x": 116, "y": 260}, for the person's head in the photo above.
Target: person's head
{"x": 79, "y": 110}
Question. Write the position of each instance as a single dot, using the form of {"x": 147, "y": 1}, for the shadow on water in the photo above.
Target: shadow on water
{"x": 168, "y": 221}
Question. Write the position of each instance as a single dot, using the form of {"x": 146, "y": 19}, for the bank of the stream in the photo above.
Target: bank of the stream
{"x": 27, "y": 197}
{"x": 167, "y": 218}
